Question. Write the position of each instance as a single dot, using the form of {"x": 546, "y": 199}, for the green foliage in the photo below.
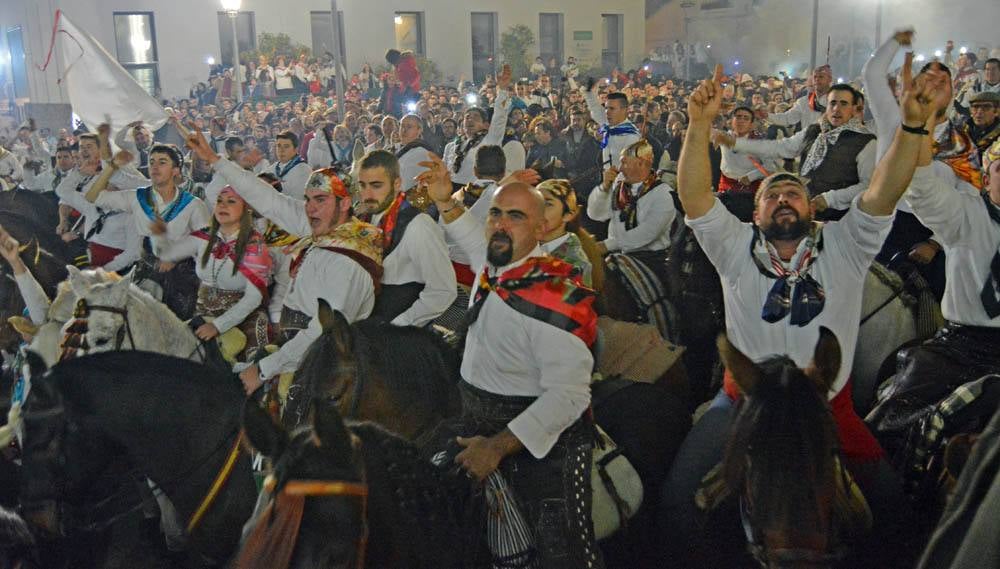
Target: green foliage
{"x": 273, "y": 45}
{"x": 429, "y": 72}
{"x": 514, "y": 46}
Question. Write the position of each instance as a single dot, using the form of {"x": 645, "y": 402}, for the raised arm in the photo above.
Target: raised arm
{"x": 594, "y": 106}
{"x": 881, "y": 100}
{"x": 501, "y": 108}
{"x": 921, "y": 99}
{"x": 694, "y": 170}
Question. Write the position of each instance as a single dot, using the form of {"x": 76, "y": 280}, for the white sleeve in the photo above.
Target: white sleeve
{"x": 599, "y": 203}
{"x": 123, "y": 142}
{"x": 655, "y": 213}
{"x": 565, "y": 364}
{"x": 594, "y": 106}
{"x": 120, "y": 200}
{"x": 287, "y": 212}
{"x": 787, "y": 118}
{"x": 785, "y": 148}
{"x": 16, "y": 171}
{"x": 128, "y": 178}
{"x": 865, "y": 235}
{"x": 294, "y": 184}
{"x": 467, "y": 234}
{"x": 34, "y": 297}
{"x": 66, "y": 190}
{"x": 425, "y": 245}
{"x": 238, "y": 312}
{"x": 282, "y": 282}
{"x": 498, "y": 124}
{"x": 939, "y": 207}
{"x": 881, "y": 101}
{"x": 132, "y": 252}
{"x": 841, "y": 198}
{"x": 187, "y": 247}
{"x": 481, "y": 209}
{"x": 725, "y": 240}
{"x": 318, "y": 154}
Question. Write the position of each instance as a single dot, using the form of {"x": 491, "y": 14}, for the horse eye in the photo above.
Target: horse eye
{"x": 101, "y": 342}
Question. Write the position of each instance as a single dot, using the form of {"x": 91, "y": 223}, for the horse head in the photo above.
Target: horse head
{"x": 100, "y": 320}
{"x": 319, "y": 497}
{"x": 782, "y": 456}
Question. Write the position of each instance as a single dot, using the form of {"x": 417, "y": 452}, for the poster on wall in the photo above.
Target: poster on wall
{"x": 583, "y": 45}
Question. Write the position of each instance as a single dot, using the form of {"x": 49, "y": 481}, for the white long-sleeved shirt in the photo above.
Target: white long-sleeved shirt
{"x": 792, "y": 146}
{"x": 293, "y": 183}
{"x": 800, "y": 113}
{"x": 421, "y": 257}
{"x": 193, "y": 217}
{"x": 655, "y": 214}
{"x": 35, "y": 299}
{"x": 119, "y": 230}
{"x": 612, "y": 153}
{"x": 45, "y": 181}
{"x": 969, "y": 237}
{"x": 509, "y": 353}
{"x": 849, "y": 245}
{"x": 494, "y": 137}
{"x": 216, "y": 273}
{"x": 409, "y": 165}
{"x": 10, "y": 167}
{"x": 126, "y": 142}
{"x": 339, "y": 280}
{"x": 736, "y": 164}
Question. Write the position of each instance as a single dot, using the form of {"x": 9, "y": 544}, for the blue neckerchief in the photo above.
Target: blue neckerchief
{"x": 281, "y": 172}
{"x": 795, "y": 292}
{"x": 146, "y": 203}
{"x": 619, "y": 129}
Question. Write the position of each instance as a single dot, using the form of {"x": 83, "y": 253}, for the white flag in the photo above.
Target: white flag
{"x": 99, "y": 88}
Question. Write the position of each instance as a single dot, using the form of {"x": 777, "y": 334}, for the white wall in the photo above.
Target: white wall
{"x": 187, "y": 30}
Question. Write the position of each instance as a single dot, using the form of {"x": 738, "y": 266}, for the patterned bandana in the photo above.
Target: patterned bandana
{"x": 354, "y": 238}
{"x": 828, "y": 137}
{"x": 955, "y": 148}
{"x": 991, "y": 155}
{"x": 328, "y": 180}
{"x": 794, "y": 290}
{"x": 627, "y": 203}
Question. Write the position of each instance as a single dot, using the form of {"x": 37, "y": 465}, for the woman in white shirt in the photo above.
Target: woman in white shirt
{"x": 234, "y": 266}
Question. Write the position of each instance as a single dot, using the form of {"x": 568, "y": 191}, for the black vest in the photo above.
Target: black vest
{"x": 839, "y": 169}
{"x": 394, "y": 300}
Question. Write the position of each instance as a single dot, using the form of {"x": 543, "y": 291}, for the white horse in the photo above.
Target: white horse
{"x": 887, "y": 323}
{"x": 98, "y": 312}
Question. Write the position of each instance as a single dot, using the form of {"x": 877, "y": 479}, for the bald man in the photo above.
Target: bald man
{"x": 412, "y": 151}
{"x": 526, "y": 368}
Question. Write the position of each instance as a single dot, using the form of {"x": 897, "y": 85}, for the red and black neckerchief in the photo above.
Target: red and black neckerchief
{"x": 815, "y": 104}
{"x": 627, "y": 204}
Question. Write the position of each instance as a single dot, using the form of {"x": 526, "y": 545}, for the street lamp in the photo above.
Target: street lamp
{"x": 232, "y": 8}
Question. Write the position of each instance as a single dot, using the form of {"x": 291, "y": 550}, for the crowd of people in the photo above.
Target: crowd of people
{"x": 424, "y": 205}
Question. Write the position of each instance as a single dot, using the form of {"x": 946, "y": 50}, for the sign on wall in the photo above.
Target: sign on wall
{"x": 583, "y": 45}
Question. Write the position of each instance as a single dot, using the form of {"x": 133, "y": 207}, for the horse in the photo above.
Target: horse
{"x": 114, "y": 314}
{"x": 172, "y": 420}
{"x": 402, "y": 377}
{"x": 41, "y": 207}
{"x": 355, "y": 495}
{"x": 798, "y": 505}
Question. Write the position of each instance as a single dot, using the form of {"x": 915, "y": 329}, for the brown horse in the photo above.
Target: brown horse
{"x": 798, "y": 504}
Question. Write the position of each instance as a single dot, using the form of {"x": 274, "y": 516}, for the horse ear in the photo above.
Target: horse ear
{"x": 265, "y": 436}
{"x": 75, "y": 278}
{"x": 119, "y": 290}
{"x": 334, "y": 323}
{"x": 744, "y": 371}
{"x": 331, "y": 430}
{"x": 825, "y": 365}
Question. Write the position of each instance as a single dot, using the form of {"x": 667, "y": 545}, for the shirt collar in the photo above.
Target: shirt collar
{"x": 536, "y": 252}
{"x": 551, "y": 246}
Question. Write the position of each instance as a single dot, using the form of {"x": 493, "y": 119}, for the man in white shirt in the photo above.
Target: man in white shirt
{"x": 412, "y": 151}
{"x": 460, "y": 154}
{"x": 526, "y": 373}
{"x": 138, "y": 144}
{"x": 290, "y": 168}
{"x": 49, "y": 179}
{"x": 338, "y": 260}
{"x": 806, "y": 276}
{"x": 418, "y": 282}
{"x": 743, "y": 172}
{"x": 837, "y": 153}
{"x": 809, "y": 108}
{"x": 618, "y": 132}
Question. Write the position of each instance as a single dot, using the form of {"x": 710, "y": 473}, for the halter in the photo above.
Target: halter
{"x": 79, "y": 327}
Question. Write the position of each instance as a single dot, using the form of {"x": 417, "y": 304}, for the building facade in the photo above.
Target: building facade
{"x": 167, "y": 45}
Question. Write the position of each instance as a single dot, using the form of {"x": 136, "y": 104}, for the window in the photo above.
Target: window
{"x": 716, "y": 5}
{"x": 550, "y": 38}
{"x": 484, "y": 45}
{"x": 322, "y": 33}
{"x": 410, "y": 31}
{"x": 246, "y": 35}
{"x": 18, "y": 69}
{"x": 135, "y": 40}
{"x": 611, "y": 52}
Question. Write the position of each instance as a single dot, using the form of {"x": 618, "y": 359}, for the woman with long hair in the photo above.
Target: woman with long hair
{"x": 234, "y": 266}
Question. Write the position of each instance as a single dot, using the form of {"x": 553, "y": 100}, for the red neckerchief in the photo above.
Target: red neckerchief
{"x": 628, "y": 205}
{"x": 388, "y": 222}
{"x": 547, "y": 289}
{"x": 814, "y": 103}
{"x": 223, "y": 249}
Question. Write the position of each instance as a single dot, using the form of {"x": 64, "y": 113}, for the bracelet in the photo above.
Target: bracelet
{"x": 453, "y": 206}
{"x": 914, "y": 129}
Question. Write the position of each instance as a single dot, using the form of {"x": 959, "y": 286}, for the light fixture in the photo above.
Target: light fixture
{"x": 963, "y": 50}
{"x": 398, "y": 19}
{"x": 708, "y": 46}
{"x": 840, "y": 79}
{"x": 938, "y": 53}
{"x": 920, "y": 57}
{"x": 210, "y": 60}
{"x": 736, "y": 63}
{"x": 645, "y": 67}
{"x": 471, "y": 99}
{"x": 231, "y": 5}
{"x": 411, "y": 106}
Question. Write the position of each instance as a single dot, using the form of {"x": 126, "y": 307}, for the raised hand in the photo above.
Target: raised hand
{"x": 705, "y": 102}
{"x": 720, "y": 138}
{"x": 10, "y": 249}
{"x": 122, "y": 158}
{"x": 904, "y": 37}
{"x": 436, "y": 179}
{"x": 922, "y": 96}
{"x": 195, "y": 140}
{"x": 528, "y": 176}
{"x": 505, "y": 79}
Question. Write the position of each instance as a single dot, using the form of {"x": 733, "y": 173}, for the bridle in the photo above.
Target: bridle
{"x": 78, "y": 327}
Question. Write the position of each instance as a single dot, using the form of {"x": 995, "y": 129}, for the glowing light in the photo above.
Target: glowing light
{"x": 210, "y": 60}
{"x": 398, "y": 20}
{"x": 231, "y": 5}
{"x": 840, "y": 79}
{"x": 920, "y": 57}
{"x": 736, "y": 63}
{"x": 472, "y": 99}
{"x": 963, "y": 50}
{"x": 411, "y": 106}
{"x": 938, "y": 53}
{"x": 645, "y": 67}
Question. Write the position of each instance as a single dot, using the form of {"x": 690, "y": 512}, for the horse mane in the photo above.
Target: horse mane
{"x": 892, "y": 280}
{"x": 436, "y": 517}
{"x": 782, "y": 449}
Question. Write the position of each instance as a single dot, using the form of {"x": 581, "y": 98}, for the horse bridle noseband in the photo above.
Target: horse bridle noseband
{"x": 83, "y": 310}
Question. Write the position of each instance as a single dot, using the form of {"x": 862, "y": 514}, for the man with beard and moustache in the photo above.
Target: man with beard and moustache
{"x": 837, "y": 153}
{"x": 807, "y": 109}
{"x": 418, "y": 282}
{"x": 337, "y": 260}
{"x": 137, "y": 145}
{"x": 479, "y": 130}
{"x": 785, "y": 277}
{"x": 526, "y": 371}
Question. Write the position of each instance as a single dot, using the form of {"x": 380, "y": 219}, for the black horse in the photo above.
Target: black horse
{"x": 170, "y": 420}
{"x": 356, "y": 496}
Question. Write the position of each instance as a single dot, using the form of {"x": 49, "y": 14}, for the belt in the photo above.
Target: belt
{"x": 294, "y": 319}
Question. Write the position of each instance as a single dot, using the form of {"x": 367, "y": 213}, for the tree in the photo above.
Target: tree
{"x": 274, "y": 45}
{"x": 514, "y": 46}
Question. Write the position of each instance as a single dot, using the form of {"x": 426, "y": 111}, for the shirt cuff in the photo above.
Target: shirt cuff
{"x": 611, "y": 244}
